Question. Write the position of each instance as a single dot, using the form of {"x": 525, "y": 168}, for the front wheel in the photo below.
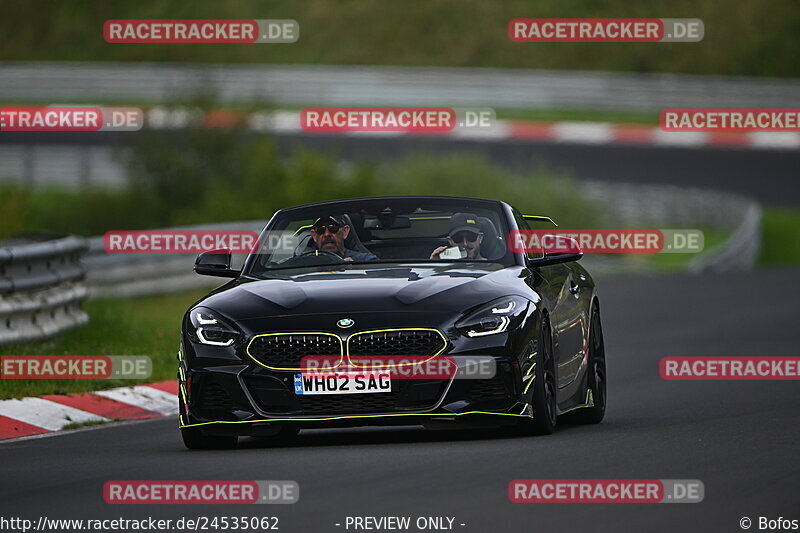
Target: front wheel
{"x": 596, "y": 378}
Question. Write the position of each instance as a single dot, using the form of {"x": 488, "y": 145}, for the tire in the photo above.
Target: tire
{"x": 596, "y": 379}
{"x": 543, "y": 394}
{"x": 194, "y": 439}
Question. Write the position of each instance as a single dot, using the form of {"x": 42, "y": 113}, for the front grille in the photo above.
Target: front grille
{"x": 397, "y": 342}
{"x": 286, "y": 350}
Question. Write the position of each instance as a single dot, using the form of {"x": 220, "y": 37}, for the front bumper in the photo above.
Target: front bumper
{"x": 231, "y": 393}
{"x": 236, "y": 397}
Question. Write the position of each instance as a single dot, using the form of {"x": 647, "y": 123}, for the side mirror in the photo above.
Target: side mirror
{"x": 558, "y": 249}
{"x": 215, "y": 263}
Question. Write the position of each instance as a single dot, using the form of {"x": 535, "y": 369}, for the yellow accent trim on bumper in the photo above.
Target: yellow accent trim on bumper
{"x": 185, "y": 403}
{"x": 528, "y": 386}
{"x": 348, "y": 417}
{"x": 589, "y": 402}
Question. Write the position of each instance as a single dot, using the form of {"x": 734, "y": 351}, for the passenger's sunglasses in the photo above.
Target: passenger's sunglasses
{"x": 332, "y": 228}
{"x": 461, "y": 235}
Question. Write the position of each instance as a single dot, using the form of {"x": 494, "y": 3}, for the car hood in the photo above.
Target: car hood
{"x": 392, "y": 288}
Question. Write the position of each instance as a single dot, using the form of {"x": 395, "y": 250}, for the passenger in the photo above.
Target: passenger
{"x": 465, "y": 232}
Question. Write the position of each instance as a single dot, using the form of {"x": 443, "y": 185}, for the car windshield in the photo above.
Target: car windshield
{"x": 383, "y": 231}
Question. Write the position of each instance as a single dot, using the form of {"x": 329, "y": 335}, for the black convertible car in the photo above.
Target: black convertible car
{"x": 372, "y": 285}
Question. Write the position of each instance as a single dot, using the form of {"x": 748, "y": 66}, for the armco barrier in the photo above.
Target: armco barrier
{"x": 124, "y": 275}
{"x": 688, "y": 208}
{"x": 340, "y": 85}
{"x": 41, "y": 288}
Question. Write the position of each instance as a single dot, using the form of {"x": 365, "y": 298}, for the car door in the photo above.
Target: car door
{"x": 569, "y": 321}
{"x": 561, "y": 285}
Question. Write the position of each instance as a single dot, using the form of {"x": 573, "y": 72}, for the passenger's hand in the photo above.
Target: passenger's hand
{"x": 348, "y": 258}
{"x": 436, "y": 252}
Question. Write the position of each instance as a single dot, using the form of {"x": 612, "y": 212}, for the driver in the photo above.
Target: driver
{"x": 329, "y": 233}
{"x": 465, "y": 232}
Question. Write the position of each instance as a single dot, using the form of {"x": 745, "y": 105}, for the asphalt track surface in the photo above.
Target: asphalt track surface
{"x": 739, "y": 438}
{"x": 769, "y": 176}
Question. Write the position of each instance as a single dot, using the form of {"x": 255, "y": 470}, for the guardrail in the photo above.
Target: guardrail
{"x": 126, "y": 275}
{"x": 689, "y": 208}
{"x": 41, "y": 289}
{"x": 340, "y": 85}
{"x": 741, "y": 250}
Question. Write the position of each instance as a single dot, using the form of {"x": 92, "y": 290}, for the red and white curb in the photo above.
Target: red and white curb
{"x": 568, "y": 132}
{"x": 35, "y": 416}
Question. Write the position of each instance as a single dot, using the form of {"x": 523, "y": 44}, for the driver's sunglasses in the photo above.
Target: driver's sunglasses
{"x": 332, "y": 228}
{"x": 461, "y": 235}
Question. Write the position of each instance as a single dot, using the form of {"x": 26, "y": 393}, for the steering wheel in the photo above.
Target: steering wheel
{"x": 314, "y": 257}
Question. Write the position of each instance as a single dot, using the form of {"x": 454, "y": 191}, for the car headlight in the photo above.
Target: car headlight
{"x": 209, "y": 328}
{"x": 494, "y": 317}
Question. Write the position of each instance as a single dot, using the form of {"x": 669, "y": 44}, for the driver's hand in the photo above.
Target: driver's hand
{"x": 348, "y": 258}
{"x": 436, "y": 252}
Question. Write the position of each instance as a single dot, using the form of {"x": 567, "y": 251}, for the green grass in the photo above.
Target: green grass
{"x": 674, "y": 262}
{"x": 202, "y": 177}
{"x": 781, "y": 237}
{"x": 137, "y": 326}
{"x": 665, "y": 262}
{"x": 582, "y": 115}
{"x": 757, "y": 37}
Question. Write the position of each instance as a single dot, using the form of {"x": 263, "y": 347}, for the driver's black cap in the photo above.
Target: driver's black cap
{"x": 328, "y": 219}
{"x": 464, "y": 222}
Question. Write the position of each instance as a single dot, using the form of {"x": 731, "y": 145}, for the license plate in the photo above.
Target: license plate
{"x": 342, "y": 383}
